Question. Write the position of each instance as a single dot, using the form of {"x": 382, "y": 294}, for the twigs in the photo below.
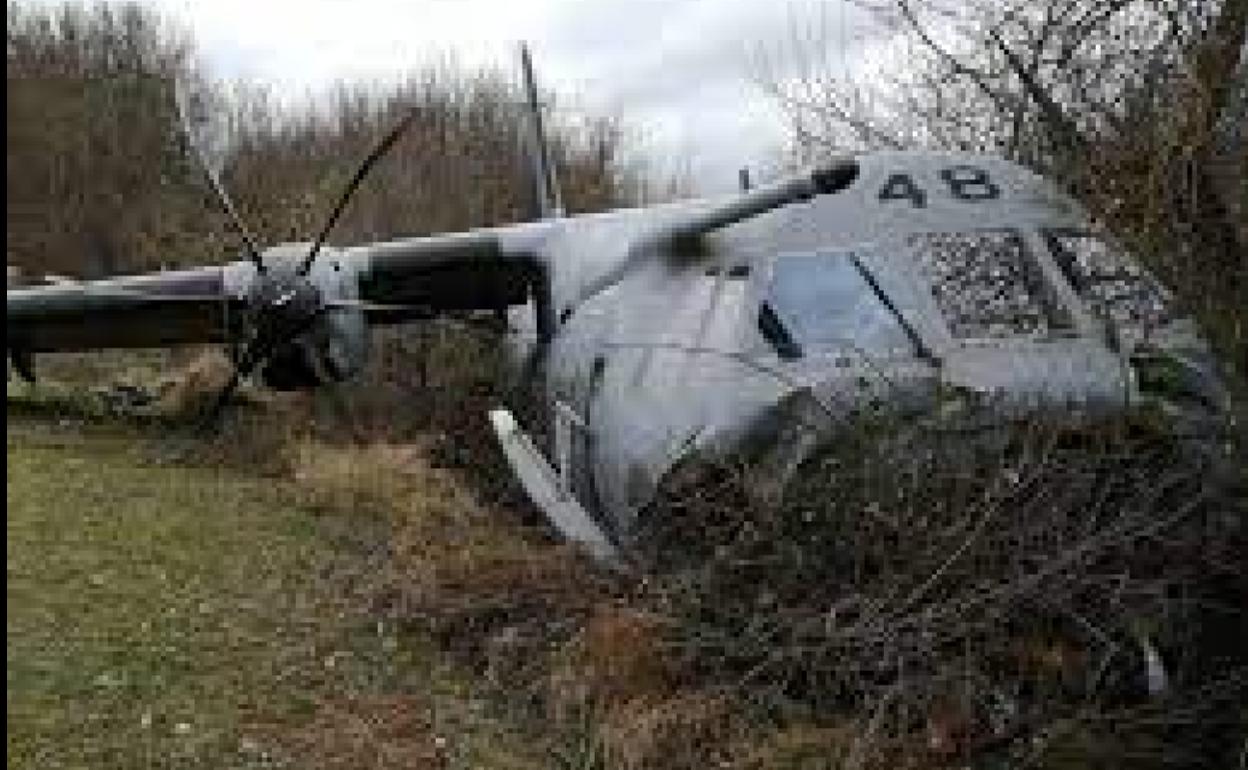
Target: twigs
{"x": 1012, "y": 574}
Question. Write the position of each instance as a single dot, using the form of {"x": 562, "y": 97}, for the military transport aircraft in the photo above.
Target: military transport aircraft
{"x": 941, "y": 285}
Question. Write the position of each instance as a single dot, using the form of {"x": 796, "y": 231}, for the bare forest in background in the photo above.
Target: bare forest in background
{"x": 101, "y": 180}
{"x": 1138, "y": 108}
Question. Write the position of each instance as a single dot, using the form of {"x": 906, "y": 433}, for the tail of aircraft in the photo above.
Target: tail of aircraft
{"x": 547, "y": 202}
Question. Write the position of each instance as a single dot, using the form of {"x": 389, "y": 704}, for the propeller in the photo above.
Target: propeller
{"x": 196, "y": 115}
{"x": 280, "y": 308}
{"x": 282, "y": 304}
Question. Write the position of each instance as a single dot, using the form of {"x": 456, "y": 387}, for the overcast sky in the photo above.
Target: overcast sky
{"x": 678, "y": 71}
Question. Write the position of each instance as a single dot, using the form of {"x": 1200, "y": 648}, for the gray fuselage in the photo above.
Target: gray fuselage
{"x": 872, "y": 301}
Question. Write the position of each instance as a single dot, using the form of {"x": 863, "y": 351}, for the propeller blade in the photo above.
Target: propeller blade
{"x": 381, "y": 149}
{"x": 255, "y": 354}
{"x": 214, "y": 176}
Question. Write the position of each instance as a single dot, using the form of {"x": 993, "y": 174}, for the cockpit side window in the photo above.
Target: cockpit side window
{"x": 822, "y": 300}
{"x": 987, "y": 284}
{"x": 1108, "y": 279}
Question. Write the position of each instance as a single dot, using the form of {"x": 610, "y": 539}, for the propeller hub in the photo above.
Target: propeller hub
{"x": 284, "y": 305}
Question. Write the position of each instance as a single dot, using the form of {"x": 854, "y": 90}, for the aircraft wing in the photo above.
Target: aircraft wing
{"x": 387, "y": 282}
{"x": 423, "y": 277}
{"x": 167, "y": 308}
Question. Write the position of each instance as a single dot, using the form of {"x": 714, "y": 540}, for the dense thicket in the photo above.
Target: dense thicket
{"x": 101, "y": 180}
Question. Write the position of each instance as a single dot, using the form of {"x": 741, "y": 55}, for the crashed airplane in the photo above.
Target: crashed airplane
{"x": 936, "y": 286}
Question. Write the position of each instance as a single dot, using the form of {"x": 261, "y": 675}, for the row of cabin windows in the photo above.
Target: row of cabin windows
{"x": 986, "y": 284}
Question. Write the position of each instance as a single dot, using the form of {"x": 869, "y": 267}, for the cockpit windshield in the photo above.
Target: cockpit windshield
{"x": 823, "y": 300}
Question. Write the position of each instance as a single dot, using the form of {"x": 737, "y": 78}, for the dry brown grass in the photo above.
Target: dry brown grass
{"x": 371, "y": 478}
{"x": 617, "y": 658}
{"x": 190, "y": 390}
{"x": 469, "y": 581}
{"x": 798, "y": 747}
{"x": 386, "y": 732}
{"x": 688, "y": 730}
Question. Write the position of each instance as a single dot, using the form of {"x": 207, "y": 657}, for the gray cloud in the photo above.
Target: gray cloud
{"x": 682, "y": 70}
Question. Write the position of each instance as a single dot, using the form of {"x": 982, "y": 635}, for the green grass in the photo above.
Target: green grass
{"x": 146, "y": 605}
{"x": 182, "y": 616}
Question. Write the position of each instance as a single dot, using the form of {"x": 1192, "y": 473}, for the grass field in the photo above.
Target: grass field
{"x": 195, "y": 616}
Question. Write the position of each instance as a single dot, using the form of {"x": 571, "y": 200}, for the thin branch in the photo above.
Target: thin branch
{"x": 1050, "y": 109}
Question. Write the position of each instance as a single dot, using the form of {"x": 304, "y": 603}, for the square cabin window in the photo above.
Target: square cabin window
{"x": 1109, "y": 280}
{"x": 986, "y": 284}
